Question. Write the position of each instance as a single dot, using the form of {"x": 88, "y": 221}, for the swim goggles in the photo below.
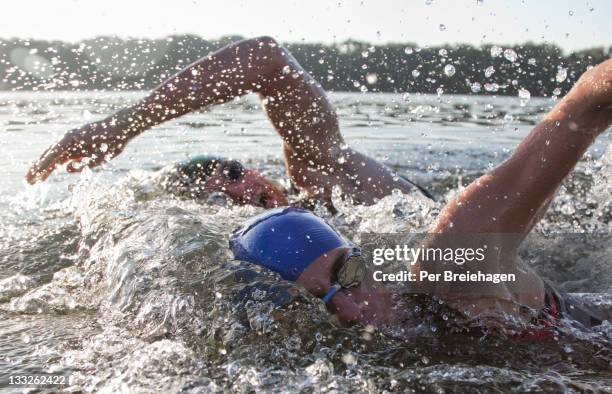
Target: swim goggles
{"x": 351, "y": 273}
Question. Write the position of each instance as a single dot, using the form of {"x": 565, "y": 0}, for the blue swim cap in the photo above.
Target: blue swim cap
{"x": 284, "y": 240}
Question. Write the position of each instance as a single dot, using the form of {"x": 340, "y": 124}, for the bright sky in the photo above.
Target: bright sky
{"x": 569, "y": 23}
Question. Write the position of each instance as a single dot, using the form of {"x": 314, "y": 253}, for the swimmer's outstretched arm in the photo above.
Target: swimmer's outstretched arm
{"x": 234, "y": 70}
{"x": 511, "y": 198}
{"x": 316, "y": 156}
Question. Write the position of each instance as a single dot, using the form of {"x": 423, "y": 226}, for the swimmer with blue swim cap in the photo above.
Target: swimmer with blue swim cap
{"x": 303, "y": 248}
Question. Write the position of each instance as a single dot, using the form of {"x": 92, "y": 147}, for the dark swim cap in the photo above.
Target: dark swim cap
{"x": 285, "y": 240}
{"x": 198, "y": 168}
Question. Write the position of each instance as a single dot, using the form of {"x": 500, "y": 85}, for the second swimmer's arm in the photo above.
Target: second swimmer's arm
{"x": 232, "y": 71}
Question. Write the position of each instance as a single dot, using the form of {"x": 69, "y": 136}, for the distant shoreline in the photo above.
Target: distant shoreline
{"x": 117, "y": 64}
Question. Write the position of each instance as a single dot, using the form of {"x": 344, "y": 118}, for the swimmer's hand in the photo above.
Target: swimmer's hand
{"x": 589, "y": 102}
{"x": 87, "y": 146}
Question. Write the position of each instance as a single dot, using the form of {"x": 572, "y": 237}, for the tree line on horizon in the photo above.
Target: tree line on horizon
{"x": 115, "y": 64}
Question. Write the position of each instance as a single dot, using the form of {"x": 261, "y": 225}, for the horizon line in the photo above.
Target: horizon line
{"x": 328, "y": 43}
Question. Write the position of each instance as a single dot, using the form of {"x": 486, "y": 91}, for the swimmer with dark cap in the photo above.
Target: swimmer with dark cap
{"x": 316, "y": 155}
{"x": 510, "y": 199}
{"x": 202, "y": 176}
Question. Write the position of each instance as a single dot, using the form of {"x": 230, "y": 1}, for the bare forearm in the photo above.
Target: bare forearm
{"x": 509, "y": 198}
{"x": 232, "y": 71}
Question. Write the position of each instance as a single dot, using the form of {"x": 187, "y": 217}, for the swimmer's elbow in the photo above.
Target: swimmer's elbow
{"x": 267, "y": 41}
{"x": 268, "y": 48}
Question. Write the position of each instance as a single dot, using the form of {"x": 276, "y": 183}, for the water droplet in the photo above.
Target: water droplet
{"x": 571, "y": 13}
{"x": 489, "y": 71}
{"x": 561, "y": 74}
{"x": 476, "y": 86}
{"x": 349, "y": 359}
{"x": 491, "y": 87}
{"x": 26, "y": 338}
{"x": 425, "y": 360}
{"x": 510, "y": 55}
{"x": 443, "y": 52}
{"x": 442, "y": 27}
{"x": 524, "y": 95}
{"x": 531, "y": 61}
{"x": 341, "y": 160}
{"x": 449, "y": 70}
{"x": 496, "y": 51}
{"x": 415, "y": 73}
{"x": 557, "y": 91}
{"x": 363, "y": 88}
{"x": 371, "y": 78}
{"x": 365, "y": 54}
{"x": 194, "y": 72}
{"x": 286, "y": 70}
{"x": 408, "y": 50}
{"x": 439, "y": 91}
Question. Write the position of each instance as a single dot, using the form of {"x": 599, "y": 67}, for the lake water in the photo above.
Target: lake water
{"x": 106, "y": 277}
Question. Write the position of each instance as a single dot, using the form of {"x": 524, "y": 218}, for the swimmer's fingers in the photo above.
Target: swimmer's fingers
{"x": 72, "y": 146}
{"x": 54, "y": 156}
{"x": 87, "y": 142}
{"x": 77, "y": 165}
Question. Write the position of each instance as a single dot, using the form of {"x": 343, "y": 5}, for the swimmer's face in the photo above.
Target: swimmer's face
{"x": 244, "y": 186}
{"x": 366, "y": 303}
